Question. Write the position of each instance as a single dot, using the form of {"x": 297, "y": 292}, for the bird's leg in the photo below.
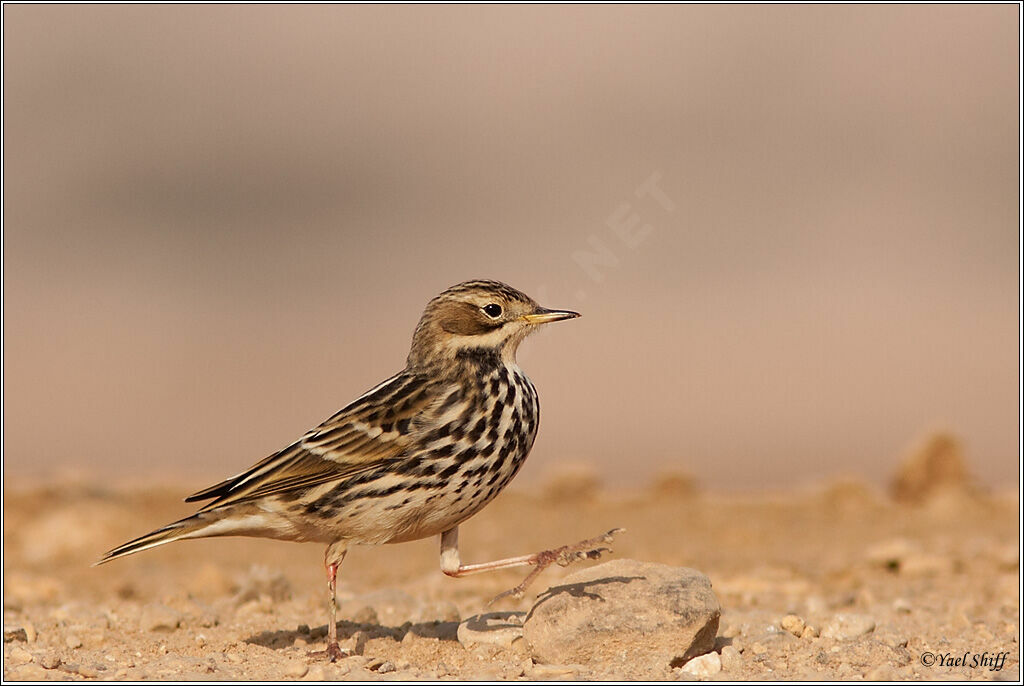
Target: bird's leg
{"x": 332, "y": 560}
{"x": 584, "y": 550}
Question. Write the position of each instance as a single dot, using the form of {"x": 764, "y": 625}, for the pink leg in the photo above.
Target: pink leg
{"x": 332, "y": 560}
{"x": 566, "y": 555}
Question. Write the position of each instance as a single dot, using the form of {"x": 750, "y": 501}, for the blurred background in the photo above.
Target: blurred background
{"x": 793, "y": 231}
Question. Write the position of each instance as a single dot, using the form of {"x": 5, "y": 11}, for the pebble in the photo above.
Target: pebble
{"x": 296, "y": 669}
{"x": 14, "y": 633}
{"x": 731, "y": 659}
{"x": 847, "y": 626}
{"x": 809, "y": 632}
{"x": 19, "y": 656}
{"x": 387, "y": 667}
{"x": 73, "y": 641}
{"x": 705, "y": 665}
{"x": 157, "y": 617}
{"x": 495, "y": 628}
{"x": 355, "y": 644}
{"x": 793, "y": 624}
{"x": 88, "y": 671}
{"x": 49, "y": 660}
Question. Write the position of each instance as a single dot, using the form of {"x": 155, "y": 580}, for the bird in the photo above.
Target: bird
{"x": 413, "y": 457}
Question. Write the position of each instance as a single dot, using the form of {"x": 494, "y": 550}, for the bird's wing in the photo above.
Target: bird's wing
{"x": 378, "y": 426}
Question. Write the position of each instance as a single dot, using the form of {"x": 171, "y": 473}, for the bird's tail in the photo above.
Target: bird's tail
{"x": 190, "y": 527}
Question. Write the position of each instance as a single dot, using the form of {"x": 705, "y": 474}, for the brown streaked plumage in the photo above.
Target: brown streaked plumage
{"x": 413, "y": 457}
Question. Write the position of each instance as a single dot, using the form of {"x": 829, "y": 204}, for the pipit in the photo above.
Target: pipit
{"x": 415, "y": 456}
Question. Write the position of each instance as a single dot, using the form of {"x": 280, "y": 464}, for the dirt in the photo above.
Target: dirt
{"x": 835, "y": 583}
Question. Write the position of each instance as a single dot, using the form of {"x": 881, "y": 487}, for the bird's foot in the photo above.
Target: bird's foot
{"x": 589, "y": 549}
{"x": 333, "y": 653}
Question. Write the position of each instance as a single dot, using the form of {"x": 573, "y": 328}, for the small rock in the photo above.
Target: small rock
{"x": 793, "y": 624}
{"x": 847, "y": 626}
{"x": 386, "y": 667}
{"x": 30, "y": 631}
{"x": 14, "y": 633}
{"x": 49, "y": 660}
{"x": 665, "y": 614}
{"x": 156, "y": 617}
{"x": 19, "y": 656}
{"x": 73, "y": 641}
{"x": 731, "y": 659}
{"x": 355, "y": 644}
{"x": 88, "y": 671}
{"x": 494, "y": 628}
{"x": 809, "y": 632}
{"x": 705, "y": 665}
{"x": 296, "y": 669}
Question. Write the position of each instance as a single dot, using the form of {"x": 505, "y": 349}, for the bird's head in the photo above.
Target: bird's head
{"x": 477, "y": 316}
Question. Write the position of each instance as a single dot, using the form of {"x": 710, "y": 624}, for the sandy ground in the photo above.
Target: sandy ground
{"x": 874, "y": 586}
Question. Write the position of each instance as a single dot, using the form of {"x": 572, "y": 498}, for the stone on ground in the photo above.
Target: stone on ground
{"x": 625, "y": 609}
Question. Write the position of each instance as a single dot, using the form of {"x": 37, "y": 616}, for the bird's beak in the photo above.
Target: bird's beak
{"x": 543, "y": 315}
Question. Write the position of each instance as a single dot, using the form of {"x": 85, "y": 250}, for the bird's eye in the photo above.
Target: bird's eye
{"x": 493, "y": 310}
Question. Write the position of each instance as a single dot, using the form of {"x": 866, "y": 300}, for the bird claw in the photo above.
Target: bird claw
{"x": 516, "y": 593}
{"x": 333, "y": 653}
{"x": 563, "y": 557}
{"x": 567, "y": 557}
